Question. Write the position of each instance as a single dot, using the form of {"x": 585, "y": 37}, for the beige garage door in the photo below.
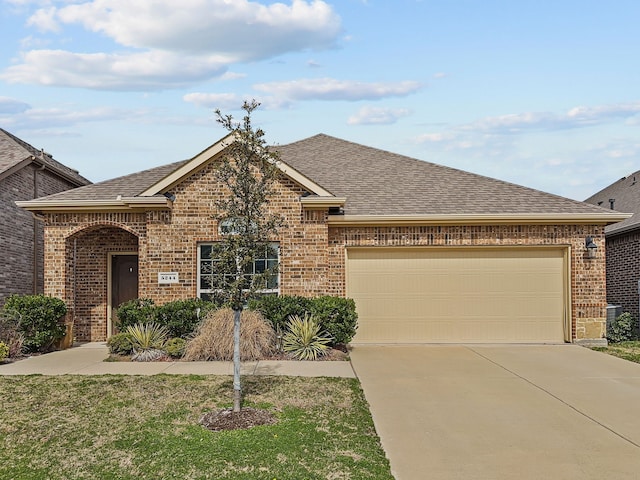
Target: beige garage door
{"x": 458, "y": 295}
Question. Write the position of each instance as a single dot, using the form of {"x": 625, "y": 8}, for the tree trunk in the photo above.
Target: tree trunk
{"x": 237, "y": 391}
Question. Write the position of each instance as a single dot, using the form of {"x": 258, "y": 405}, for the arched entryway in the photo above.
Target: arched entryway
{"x": 102, "y": 267}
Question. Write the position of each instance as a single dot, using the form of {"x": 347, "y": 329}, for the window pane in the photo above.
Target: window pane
{"x": 214, "y": 273}
{"x": 205, "y": 251}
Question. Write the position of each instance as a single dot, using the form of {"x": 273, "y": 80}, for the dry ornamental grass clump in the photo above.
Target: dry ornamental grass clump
{"x": 214, "y": 337}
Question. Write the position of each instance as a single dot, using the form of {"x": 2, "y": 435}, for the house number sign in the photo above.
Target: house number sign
{"x": 167, "y": 277}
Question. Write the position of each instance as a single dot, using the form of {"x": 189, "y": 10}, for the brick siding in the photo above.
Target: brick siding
{"x": 623, "y": 271}
{"x": 312, "y": 254}
{"x": 17, "y": 230}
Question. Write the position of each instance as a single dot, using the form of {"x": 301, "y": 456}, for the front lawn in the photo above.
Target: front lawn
{"x": 627, "y": 350}
{"x": 146, "y": 427}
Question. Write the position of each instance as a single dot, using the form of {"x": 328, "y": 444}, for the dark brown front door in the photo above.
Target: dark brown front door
{"x": 124, "y": 282}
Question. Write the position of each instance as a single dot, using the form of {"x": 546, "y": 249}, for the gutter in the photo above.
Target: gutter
{"x": 479, "y": 219}
{"x": 119, "y": 203}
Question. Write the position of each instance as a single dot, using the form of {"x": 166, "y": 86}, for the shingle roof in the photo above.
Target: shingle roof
{"x": 14, "y": 151}
{"x": 626, "y": 196}
{"x": 126, "y": 186}
{"x": 377, "y": 182}
{"x": 374, "y": 182}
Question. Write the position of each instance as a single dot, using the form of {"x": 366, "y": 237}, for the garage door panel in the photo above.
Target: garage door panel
{"x": 409, "y": 295}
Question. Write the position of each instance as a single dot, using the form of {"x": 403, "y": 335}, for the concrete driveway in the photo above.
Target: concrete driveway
{"x": 503, "y": 412}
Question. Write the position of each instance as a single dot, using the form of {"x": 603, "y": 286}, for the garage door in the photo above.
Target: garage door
{"x": 458, "y": 295}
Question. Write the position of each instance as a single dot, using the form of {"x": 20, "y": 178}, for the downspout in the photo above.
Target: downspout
{"x": 35, "y": 228}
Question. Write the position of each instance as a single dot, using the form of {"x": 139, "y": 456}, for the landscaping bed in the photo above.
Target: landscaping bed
{"x": 137, "y": 427}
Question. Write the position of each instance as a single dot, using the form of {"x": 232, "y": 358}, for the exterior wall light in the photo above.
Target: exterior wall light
{"x": 591, "y": 247}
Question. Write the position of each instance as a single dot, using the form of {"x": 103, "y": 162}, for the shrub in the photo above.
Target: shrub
{"x": 623, "y": 328}
{"x": 278, "y": 309}
{"x": 303, "y": 339}
{"x": 120, "y": 344}
{"x": 337, "y": 316}
{"x": 10, "y": 333}
{"x": 133, "y": 312}
{"x": 4, "y": 351}
{"x": 214, "y": 337}
{"x": 175, "y": 347}
{"x": 147, "y": 340}
{"x": 39, "y": 320}
{"x": 182, "y": 317}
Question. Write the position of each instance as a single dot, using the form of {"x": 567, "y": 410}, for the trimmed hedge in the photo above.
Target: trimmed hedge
{"x": 180, "y": 317}
{"x": 336, "y": 315}
{"x": 138, "y": 310}
{"x": 39, "y": 320}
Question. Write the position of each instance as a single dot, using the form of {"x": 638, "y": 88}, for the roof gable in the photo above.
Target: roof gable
{"x": 16, "y": 154}
{"x": 216, "y": 151}
{"x": 625, "y": 195}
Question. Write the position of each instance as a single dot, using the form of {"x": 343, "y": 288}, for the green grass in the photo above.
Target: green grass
{"x": 627, "y": 350}
{"x": 137, "y": 427}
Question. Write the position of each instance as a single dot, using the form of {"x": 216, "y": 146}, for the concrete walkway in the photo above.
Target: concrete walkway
{"x": 503, "y": 412}
{"x": 88, "y": 359}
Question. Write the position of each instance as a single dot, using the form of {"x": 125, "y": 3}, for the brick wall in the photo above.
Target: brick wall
{"x": 623, "y": 271}
{"x": 312, "y": 254}
{"x": 17, "y": 263}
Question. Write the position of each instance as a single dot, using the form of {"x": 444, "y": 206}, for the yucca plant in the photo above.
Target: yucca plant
{"x": 303, "y": 339}
{"x": 147, "y": 340}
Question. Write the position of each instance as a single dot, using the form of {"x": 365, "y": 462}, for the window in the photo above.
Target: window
{"x": 213, "y": 275}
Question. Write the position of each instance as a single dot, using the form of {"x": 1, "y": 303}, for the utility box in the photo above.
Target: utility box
{"x": 613, "y": 311}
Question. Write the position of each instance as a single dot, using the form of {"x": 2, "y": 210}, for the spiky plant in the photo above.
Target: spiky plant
{"x": 303, "y": 339}
{"x": 147, "y": 340}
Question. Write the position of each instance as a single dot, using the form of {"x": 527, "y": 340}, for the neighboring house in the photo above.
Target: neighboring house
{"x": 623, "y": 242}
{"x": 429, "y": 253}
{"x": 26, "y": 173}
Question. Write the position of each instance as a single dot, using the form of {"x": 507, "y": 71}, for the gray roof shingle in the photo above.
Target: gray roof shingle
{"x": 13, "y": 151}
{"x": 127, "y": 186}
{"x": 626, "y": 196}
{"x": 375, "y": 182}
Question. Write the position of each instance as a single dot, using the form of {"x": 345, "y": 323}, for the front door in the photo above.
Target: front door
{"x": 124, "y": 283}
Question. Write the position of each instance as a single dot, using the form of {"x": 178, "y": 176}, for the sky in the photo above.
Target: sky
{"x": 541, "y": 93}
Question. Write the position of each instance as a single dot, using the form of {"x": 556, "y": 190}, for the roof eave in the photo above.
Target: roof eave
{"x": 479, "y": 219}
{"x": 318, "y": 202}
{"x": 118, "y": 204}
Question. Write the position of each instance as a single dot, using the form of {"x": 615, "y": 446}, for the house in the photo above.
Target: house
{"x": 623, "y": 242}
{"x": 26, "y": 173}
{"x": 429, "y": 253}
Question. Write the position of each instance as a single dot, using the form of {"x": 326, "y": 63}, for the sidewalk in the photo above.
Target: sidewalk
{"x": 88, "y": 359}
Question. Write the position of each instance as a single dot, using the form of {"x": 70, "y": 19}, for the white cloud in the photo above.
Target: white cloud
{"x": 136, "y": 71}
{"x": 223, "y": 101}
{"x": 240, "y": 29}
{"x": 33, "y": 118}
{"x": 9, "y": 105}
{"x": 333, "y": 89}
{"x": 45, "y": 20}
{"x": 377, "y": 116}
{"x": 577, "y": 117}
{"x": 208, "y": 34}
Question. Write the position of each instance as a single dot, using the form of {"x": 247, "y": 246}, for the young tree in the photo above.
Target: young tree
{"x": 248, "y": 171}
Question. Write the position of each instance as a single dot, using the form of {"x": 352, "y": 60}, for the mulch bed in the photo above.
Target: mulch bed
{"x": 227, "y": 419}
